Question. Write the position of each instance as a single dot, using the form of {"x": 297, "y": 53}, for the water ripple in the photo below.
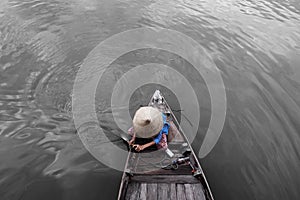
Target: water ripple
{"x": 255, "y": 45}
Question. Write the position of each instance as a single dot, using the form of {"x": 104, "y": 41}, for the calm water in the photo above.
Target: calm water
{"x": 255, "y": 45}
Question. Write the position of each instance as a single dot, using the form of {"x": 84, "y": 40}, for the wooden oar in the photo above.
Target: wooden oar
{"x": 126, "y": 138}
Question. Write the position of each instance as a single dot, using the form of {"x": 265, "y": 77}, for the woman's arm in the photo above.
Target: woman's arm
{"x": 132, "y": 133}
{"x": 138, "y": 147}
{"x": 131, "y": 142}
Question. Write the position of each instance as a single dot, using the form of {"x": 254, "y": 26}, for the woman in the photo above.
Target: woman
{"x": 149, "y": 122}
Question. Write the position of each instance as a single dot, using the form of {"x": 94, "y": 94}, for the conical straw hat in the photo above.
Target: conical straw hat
{"x": 147, "y": 122}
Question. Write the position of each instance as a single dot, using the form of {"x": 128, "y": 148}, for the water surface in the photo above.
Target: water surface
{"x": 254, "y": 44}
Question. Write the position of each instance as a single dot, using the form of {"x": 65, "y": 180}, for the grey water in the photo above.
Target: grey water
{"x": 254, "y": 44}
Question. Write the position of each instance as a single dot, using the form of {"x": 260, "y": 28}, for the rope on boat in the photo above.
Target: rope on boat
{"x": 170, "y": 167}
{"x": 159, "y": 164}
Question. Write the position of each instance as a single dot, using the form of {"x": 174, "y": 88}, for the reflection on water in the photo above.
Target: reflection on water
{"x": 255, "y": 44}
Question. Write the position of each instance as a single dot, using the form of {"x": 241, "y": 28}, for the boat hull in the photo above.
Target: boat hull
{"x": 151, "y": 175}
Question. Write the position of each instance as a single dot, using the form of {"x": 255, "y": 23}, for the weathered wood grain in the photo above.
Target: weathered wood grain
{"x": 135, "y": 191}
{"x": 189, "y": 193}
{"x": 152, "y": 191}
{"x": 181, "y": 192}
{"x": 198, "y": 191}
{"x": 128, "y": 191}
{"x": 143, "y": 191}
{"x": 165, "y": 179}
{"x": 173, "y": 194}
{"x": 163, "y": 191}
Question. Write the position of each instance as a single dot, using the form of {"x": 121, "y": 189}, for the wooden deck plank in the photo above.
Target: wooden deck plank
{"x": 173, "y": 194}
{"x": 181, "y": 192}
{"x": 189, "y": 194}
{"x": 143, "y": 191}
{"x": 165, "y": 179}
{"x": 151, "y": 191}
{"x": 163, "y": 191}
{"x": 133, "y": 194}
{"x": 128, "y": 191}
{"x": 198, "y": 191}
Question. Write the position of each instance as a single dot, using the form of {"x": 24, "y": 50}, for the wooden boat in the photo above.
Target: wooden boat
{"x": 158, "y": 174}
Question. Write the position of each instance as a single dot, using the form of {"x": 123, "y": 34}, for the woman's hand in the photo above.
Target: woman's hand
{"x": 131, "y": 142}
{"x": 138, "y": 147}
